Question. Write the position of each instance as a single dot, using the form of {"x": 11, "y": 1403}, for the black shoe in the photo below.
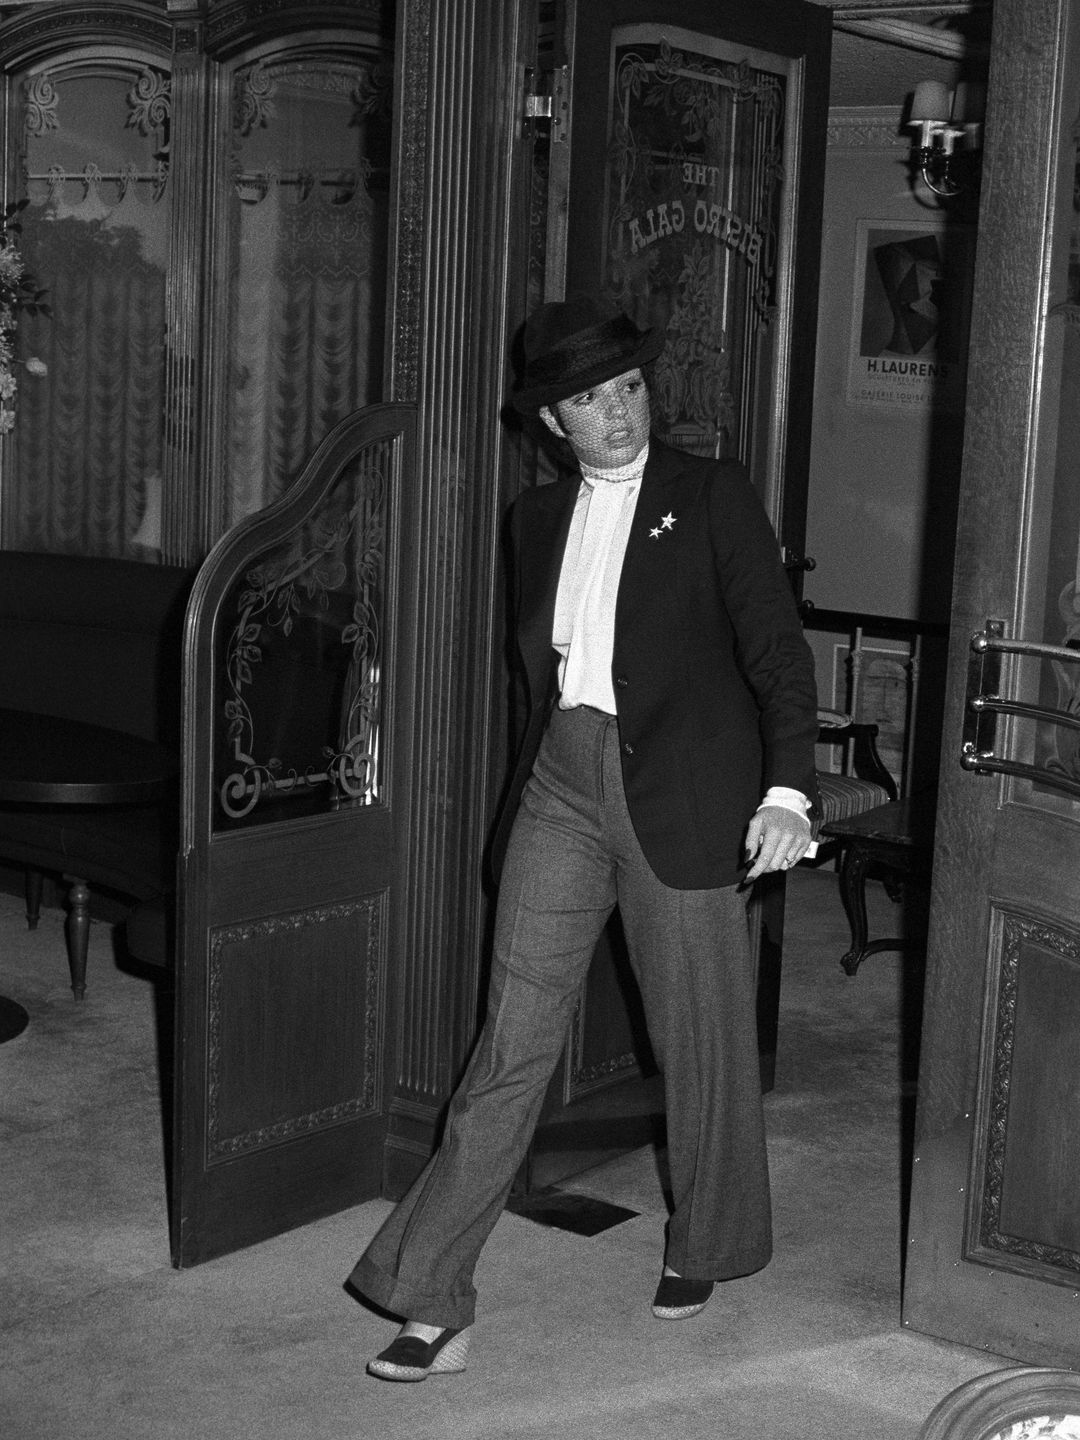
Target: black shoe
{"x": 410, "y": 1358}
{"x": 677, "y": 1298}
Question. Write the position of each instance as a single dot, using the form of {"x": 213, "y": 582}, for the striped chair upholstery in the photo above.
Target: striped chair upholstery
{"x": 867, "y": 782}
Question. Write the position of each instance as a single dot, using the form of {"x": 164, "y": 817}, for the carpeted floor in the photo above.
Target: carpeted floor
{"x": 102, "y": 1340}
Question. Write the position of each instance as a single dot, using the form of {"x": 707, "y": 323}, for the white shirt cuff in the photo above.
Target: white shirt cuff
{"x": 797, "y": 803}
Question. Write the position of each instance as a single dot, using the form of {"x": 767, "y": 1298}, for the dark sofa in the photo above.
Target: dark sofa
{"x": 97, "y": 640}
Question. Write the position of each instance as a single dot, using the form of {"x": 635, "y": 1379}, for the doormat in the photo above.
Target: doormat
{"x": 563, "y": 1210}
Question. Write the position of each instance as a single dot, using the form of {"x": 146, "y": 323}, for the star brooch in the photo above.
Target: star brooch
{"x": 666, "y": 523}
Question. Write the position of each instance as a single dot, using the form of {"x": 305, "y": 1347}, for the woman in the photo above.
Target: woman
{"x": 670, "y": 689}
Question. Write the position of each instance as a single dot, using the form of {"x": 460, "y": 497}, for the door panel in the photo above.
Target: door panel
{"x": 697, "y": 156}
{"x": 994, "y": 1245}
{"x": 692, "y": 200}
{"x": 299, "y": 661}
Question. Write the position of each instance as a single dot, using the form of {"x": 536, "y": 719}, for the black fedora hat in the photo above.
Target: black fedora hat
{"x": 571, "y": 345}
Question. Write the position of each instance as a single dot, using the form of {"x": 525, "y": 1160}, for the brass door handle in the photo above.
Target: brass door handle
{"x": 985, "y": 703}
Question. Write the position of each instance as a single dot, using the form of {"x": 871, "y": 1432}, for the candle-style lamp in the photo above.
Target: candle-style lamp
{"x": 949, "y": 125}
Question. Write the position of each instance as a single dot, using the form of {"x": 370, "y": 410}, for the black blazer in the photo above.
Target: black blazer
{"x": 713, "y": 679}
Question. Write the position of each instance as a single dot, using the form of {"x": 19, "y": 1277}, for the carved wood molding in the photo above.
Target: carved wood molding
{"x": 992, "y": 1245}
{"x": 931, "y": 40}
{"x": 368, "y": 912}
{"x": 866, "y": 128}
{"x": 232, "y": 24}
{"x": 412, "y": 96}
{"x": 36, "y": 33}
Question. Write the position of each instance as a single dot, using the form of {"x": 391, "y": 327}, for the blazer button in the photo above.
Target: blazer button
{"x": 627, "y": 748}
{"x": 621, "y": 681}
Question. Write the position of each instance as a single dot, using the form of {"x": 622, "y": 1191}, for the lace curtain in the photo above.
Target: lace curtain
{"x": 88, "y": 434}
{"x": 309, "y": 218}
{"x": 304, "y": 178}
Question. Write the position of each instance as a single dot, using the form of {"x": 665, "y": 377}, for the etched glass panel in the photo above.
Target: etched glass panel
{"x": 301, "y": 684}
{"x": 694, "y": 221}
{"x": 88, "y": 432}
{"x": 1051, "y": 607}
{"x": 1058, "y": 746}
{"x": 308, "y": 223}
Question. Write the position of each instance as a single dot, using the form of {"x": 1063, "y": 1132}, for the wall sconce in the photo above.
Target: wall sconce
{"x": 949, "y": 125}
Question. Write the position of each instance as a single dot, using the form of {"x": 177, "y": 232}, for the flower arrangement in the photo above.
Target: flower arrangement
{"x": 18, "y": 295}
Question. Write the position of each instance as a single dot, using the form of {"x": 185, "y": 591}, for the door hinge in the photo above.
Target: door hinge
{"x": 546, "y": 100}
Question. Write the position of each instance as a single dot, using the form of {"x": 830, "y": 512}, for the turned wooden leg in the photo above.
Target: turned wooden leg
{"x": 35, "y": 879}
{"x": 853, "y": 895}
{"x": 78, "y": 933}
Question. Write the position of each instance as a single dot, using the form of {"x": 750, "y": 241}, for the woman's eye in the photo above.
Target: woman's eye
{"x": 583, "y": 399}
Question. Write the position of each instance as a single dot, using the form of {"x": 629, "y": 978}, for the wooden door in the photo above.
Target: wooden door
{"x": 686, "y": 174}
{"x": 993, "y": 1245}
{"x": 298, "y": 682}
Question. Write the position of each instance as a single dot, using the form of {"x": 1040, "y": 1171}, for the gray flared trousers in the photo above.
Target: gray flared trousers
{"x": 573, "y": 856}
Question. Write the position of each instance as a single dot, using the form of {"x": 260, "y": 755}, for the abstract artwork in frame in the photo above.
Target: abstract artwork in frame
{"x": 910, "y": 309}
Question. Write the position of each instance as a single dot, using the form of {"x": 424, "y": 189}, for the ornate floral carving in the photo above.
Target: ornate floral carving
{"x": 39, "y": 99}
{"x": 149, "y": 103}
{"x": 253, "y": 99}
{"x": 374, "y": 93}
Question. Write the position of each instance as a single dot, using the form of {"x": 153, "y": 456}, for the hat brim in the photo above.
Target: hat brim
{"x": 531, "y": 399}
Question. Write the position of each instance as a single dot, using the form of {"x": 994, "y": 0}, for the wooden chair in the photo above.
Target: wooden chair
{"x": 874, "y": 831}
{"x": 863, "y": 782}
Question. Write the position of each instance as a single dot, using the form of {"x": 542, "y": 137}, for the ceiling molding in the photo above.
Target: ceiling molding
{"x": 858, "y": 10}
{"x": 865, "y": 127}
{"x": 912, "y": 36}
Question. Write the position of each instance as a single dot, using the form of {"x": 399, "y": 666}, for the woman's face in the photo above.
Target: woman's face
{"x": 605, "y": 426}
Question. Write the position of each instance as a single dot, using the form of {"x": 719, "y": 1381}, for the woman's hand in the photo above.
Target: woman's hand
{"x": 776, "y": 839}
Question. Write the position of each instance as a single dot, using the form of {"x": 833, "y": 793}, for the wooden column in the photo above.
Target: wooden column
{"x": 457, "y": 92}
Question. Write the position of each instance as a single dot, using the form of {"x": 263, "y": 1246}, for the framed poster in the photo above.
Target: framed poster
{"x": 910, "y": 310}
